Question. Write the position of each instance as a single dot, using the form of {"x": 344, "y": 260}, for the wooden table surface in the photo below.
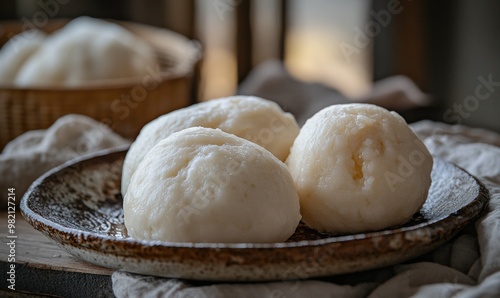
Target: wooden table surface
{"x": 42, "y": 268}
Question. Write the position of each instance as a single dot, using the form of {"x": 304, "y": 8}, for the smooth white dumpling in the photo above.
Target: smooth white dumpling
{"x": 87, "y": 50}
{"x": 205, "y": 185}
{"x": 258, "y": 120}
{"x": 359, "y": 167}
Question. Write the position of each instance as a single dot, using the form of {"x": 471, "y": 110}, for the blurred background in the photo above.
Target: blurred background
{"x": 449, "y": 49}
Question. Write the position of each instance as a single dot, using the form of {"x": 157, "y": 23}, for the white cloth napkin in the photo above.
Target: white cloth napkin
{"x": 467, "y": 266}
{"x": 33, "y": 153}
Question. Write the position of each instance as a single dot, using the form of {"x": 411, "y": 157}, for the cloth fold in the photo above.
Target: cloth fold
{"x": 33, "y": 153}
{"x": 271, "y": 80}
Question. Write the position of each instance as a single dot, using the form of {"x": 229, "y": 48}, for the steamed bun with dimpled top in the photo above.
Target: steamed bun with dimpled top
{"x": 258, "y": 120}
{"x": 205, "y": 185}
{"x": 359, "y": 167}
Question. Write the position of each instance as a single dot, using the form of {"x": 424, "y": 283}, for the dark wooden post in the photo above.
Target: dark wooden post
{"x": 180, "y": 17}
{"x": 243, "y": 39}
{"x": 283, "y": 29}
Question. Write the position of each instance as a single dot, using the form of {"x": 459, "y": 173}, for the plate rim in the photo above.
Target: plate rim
{"x": 257, "y": 262}
{"x": 34, "y": 219}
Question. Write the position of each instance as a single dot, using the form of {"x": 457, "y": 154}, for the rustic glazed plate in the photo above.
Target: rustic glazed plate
{"x": 79, "y": 206}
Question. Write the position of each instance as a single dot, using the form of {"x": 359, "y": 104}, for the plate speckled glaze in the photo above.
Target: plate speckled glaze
{"x": 79, "y": 206}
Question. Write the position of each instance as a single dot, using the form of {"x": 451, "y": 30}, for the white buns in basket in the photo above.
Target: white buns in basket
{"x": 126, "y": 104}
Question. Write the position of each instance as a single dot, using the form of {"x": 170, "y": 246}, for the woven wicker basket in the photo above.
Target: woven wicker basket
{"x": 23, "y": 109}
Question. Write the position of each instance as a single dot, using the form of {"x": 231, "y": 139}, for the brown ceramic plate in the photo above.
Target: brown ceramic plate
{"x": 79, "y": 206}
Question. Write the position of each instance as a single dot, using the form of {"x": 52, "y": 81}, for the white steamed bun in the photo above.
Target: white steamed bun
{"x": 359, "y": 167}
{"x": 258, "y": 120}
{"x": 16, "y": 51}
{"x": 84, "y": 50}
{"x": 205, "y": 185}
